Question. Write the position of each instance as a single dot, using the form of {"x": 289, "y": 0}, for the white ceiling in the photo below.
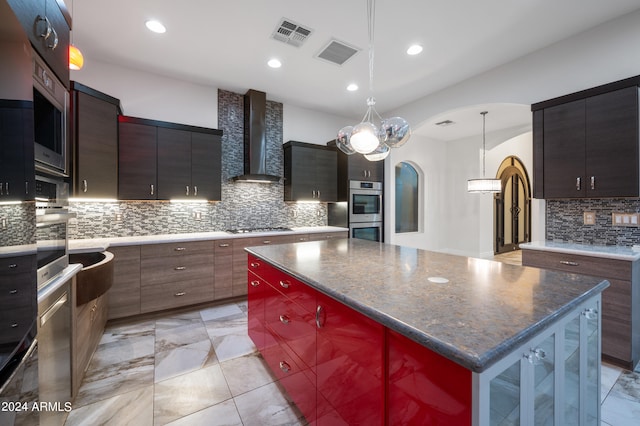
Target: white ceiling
{"x": 226, "y": 44}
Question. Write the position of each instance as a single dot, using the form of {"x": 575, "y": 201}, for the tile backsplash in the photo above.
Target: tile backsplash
{"x": 17, "y": 224}
{"x": 564, "y": 221}
{"x": 243, "y": 204}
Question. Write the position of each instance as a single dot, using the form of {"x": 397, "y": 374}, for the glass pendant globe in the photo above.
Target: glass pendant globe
{"x": 395, "y": 131}
{"x": 380, "y": 153}
{"x": 343, "y": 140}
{"x": 364, "y": 138}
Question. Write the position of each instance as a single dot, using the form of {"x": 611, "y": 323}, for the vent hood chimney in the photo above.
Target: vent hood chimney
{"x": 255, "y": 139}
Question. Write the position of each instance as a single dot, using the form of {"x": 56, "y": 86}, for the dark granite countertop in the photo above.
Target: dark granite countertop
{"x": 484, "y": 311}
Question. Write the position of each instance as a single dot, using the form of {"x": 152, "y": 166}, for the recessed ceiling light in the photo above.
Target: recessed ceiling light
{"x": 414, "y": 49}
{"x": 352, "y": 87}
{"x": 155, "y": 26}
{"x": 274, "y": 63}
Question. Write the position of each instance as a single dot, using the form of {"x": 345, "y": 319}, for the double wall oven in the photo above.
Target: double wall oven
{"x": 365, "y": 210}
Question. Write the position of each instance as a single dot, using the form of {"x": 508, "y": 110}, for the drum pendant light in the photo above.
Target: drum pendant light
{"x": 484, "y": 184}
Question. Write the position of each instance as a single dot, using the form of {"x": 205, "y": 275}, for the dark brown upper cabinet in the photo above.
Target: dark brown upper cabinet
{"x": 94, "y": 124}
{"x": 164, "y": 161}
{"x": 310, "y": 172}
{"x": 355, "y": 167}
{"x": 586, "y": 145}
{"x": 54, "y": 49}
{"x": 16, "y": 151}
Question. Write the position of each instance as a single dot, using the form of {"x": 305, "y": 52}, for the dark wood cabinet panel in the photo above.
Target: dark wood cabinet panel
{"x": 564, "y": 153}
{"x": 27, "y": 12}
{"x": 177, "y": 161}
{"x": 124, "y": 295}
{"x": 612, "y": 154}
{"x": 362, "y": 169}
{"x": 206, "y": 165}
{"x": 311, "y": 172}
{"x": 137, "y": 162}
{"x": 587, "y": 144}
{"x": 95, "y": 172}
{"x": 174, "y": 163}
{"x": 16, "y": 151}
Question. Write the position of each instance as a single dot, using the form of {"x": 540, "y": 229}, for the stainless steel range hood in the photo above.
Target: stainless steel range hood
{"x": 255, "y": 139}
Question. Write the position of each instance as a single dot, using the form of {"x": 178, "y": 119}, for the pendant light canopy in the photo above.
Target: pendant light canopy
{"x": 484, "y": 184}
{"x": 368, "y": 138}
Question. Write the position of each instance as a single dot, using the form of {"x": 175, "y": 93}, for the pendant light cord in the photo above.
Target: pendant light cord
{"x": 484, "y": 149}
{"x": 371, "y": 14}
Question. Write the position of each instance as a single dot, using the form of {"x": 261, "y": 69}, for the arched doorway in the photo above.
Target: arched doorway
{"x": 512, "y": 207}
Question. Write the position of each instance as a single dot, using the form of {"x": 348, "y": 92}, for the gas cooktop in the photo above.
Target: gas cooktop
{"x": 251, "y": 230}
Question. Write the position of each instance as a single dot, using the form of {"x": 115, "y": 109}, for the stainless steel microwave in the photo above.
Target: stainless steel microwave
{"x": 50, "y": 125}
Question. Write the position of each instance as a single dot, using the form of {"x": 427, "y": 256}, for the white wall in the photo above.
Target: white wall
{"x": 305, "y": 125}
{"x": 152, "y": 96}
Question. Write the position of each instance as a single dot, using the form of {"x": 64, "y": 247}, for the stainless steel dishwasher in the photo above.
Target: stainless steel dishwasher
{"x": 54, "y": 365}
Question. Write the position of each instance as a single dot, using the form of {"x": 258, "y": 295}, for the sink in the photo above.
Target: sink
{"x": 95, "y": 277}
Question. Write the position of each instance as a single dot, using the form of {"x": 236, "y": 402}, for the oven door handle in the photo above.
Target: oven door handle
{"x": 57, "y": 217}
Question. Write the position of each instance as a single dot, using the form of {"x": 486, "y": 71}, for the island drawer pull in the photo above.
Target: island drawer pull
{"x": 14, "y": 325}
{"x": 590, "y": 313}
{"x": 569, "y": 263}
{"x": 285, "y": 367}
{"x": 255, "y": 264}
{"x": 180, "y": 249}
{"x": 223, "y": 245}
{"x": 180, "y": 268}
{"x": 284, "y": 319}
{"x": 13, "y": 266}
{"x": 255, "y": 283}
{"x": 14, "y": 291}
{"x": 285, "y": 284}
{"x": 318, "y": 313}
{"x": 180, "y": 294}
{"x": 266, "y": 242}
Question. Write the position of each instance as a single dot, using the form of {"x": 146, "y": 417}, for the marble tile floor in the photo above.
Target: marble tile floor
{"x": 201, "y": 368}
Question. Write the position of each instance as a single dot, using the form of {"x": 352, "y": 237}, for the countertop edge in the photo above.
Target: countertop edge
{"x": 102, "y": 244}
{"x": 581, "y": 249}
{"x": 474, "y": 362}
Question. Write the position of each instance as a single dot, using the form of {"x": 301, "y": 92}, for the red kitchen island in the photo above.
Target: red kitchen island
{"x": 364, "y": 333}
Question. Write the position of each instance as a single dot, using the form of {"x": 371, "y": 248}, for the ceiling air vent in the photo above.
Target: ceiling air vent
{"x": 290, "y": 32}
{"x": 445, "y": 123}
{"x": 337, "y": 52}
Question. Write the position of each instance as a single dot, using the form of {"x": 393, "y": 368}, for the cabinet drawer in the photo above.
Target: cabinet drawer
{"x": 328, "y": 236}
{"x": 174, "y": 294}
{"x": 223, "y": 247}
{"x": 16, "y": 294}
{"x": 295, "y": 290}
{"x": 577, "y": 264}
{"x": 177, "y": 268}
{"x": 171, "y": 249}
{"x": 15, "y": 322}
{"x": 17, "y": 265}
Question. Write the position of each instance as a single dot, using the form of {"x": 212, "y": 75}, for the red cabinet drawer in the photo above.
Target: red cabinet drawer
{"x": 256, "y": 302}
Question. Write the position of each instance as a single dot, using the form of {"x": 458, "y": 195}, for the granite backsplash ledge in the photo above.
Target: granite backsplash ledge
{"x": 565, "y": 221}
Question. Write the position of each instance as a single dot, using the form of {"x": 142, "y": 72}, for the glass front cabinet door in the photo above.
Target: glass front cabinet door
{"x": 553, "y": 379}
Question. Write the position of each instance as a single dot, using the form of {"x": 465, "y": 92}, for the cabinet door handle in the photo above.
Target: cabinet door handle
{"x": 14, "y": 325}
{"x": 593, "y": 182}
{"x": 285, "y": 367}
{"x": 569, "y": 263}
{"x": 195, "y": 191}
{"x": 179, "y": 249}
{"x": 180, "y": 294}
{"x": 313, "y": 194}
{"x": 223, "y": 245}
{"x": 255, "y": 283}
{"x": 318, "y": 193}
{"x": 85, "y": 185}
{"x": 1, "y": 190}
{"x": 180, "y": 268}
{"x": 284, "y": 319}
{"x": 187, "y": 192}
{"x": 285, "y": 284}
{"x": 318, "y": 313}
{"x": 578, "y": 183}
{"x": 26, "y": 188}
{"x": 255, "y": 264}
{"x": 152, "y": 189}
{"x": 14, "y": 291}
{"x": 13, "y": 266}
{"x": 266, "y": 242}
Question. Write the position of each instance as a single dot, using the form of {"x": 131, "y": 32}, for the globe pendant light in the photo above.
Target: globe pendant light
{"x": 367, "y": 138}
{"x": 484, "y": 184}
